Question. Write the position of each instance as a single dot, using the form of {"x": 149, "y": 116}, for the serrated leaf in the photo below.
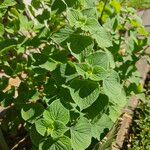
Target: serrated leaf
{"x": 79, "y": 20}
{"x": 111, "y": 137}
{"x": 62, "y": 143}
{"x": 114, "y": 90}
{"x": 114, "y": 112}
{"x": 56, "y": 111}
{"x": 102, "y": 37}
{"x": 87, "y": 3}
{"x": 91, "y": 25}
{"x": 99, "y": 33}
{"x": 42, "y": 126}
{"x": 81, "y": 134}
{"x": 111, "y": 59}
{"x": 98, "y": 107}
{"x": 77, "y": 50}
{"x": 76, "y": 18}
{"x": 119, "y": 99}
{"x": 98, "y": 59}
{"x": 98, "y": 73}
{"x": 62, "y": 35}
{"x": 31, "y": 111}
{"x": 84, "y": 92}
{"x": 90, "y": 13}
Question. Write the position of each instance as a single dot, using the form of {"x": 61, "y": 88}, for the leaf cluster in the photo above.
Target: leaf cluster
{"x": 72, "y": 63}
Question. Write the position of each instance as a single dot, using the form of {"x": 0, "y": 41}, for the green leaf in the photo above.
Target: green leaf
{"x": 90, "y": 13}
{"x": 102, "y": 37}
{"x": 84, "y": 92}
{"x": 114, "y": 90}
{"x": 79, "y": 20}
{"x": 83, "y": 69}
{"x": 2, "y": 30}
{"x": 42, "y": 126}
{"x": 56, "y": 111}
{"x": 81, "y": 134}
{"x": 58, "y": 6}
{"x": 35, "y": 136}
{"x": 79, "y": 50}
{"x": 7, "y": 3}
{"x": 111, "y": 59}
{"x": 7, "y": 45}
{"x": 62, "y": 35}
{"x": 98, "y": 73}
{"x": 119, "y": 99}
{"x": 59, "y": 129}
{"x": 62, "y": 143}
{"x": 48, "y": 127}
{"x": 31, "y": 111}
{"x": 99, "y": 125}
{"x": 98, "y": 107}
{"x": 111, "y": 137}
{"x": 68, "y": 71}
{"x": 91, "y": 25}
{"x": 50, "y": 66}
{"x": 95, "y": 73}
{"x": 76, "y": 18}
{"x": 25, "y": 24}
{"x": 99, "y": 33}
{"x": 98, "y": 59}
{"x": 89, "y": 3}
{"x": 114, "y": 112}
{"x": 117, "y": 5}
{"x": 35, "y": 97}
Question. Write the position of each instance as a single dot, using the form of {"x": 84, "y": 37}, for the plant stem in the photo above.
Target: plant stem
{"x": 3, "y": 144}
{"x": 103, "y": 11}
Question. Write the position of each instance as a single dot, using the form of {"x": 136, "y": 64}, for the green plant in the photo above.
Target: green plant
{"x": 141, "y": 130}
{"x": 73, "y": 65}
{"x": 139, "y": 4}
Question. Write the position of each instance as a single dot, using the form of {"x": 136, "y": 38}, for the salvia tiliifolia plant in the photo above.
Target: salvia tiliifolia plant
{"x": 67, "y": 68}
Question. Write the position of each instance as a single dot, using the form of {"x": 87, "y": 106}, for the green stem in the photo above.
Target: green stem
{"x": 103, "y": 11}
{"x": 3, "y": 144}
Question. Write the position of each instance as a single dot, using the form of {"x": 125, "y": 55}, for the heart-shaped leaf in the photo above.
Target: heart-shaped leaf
{"x": 81, "y": 134}
{"x": 114, "y": 90}
{"x": 84, "y": 92}
{"x": 56, "y": 111}
{"x": 98, "y": 59}
{"x": 62, "y": 143}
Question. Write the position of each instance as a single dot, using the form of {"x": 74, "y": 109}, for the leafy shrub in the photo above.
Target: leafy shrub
{"x": 68, "y": 68}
